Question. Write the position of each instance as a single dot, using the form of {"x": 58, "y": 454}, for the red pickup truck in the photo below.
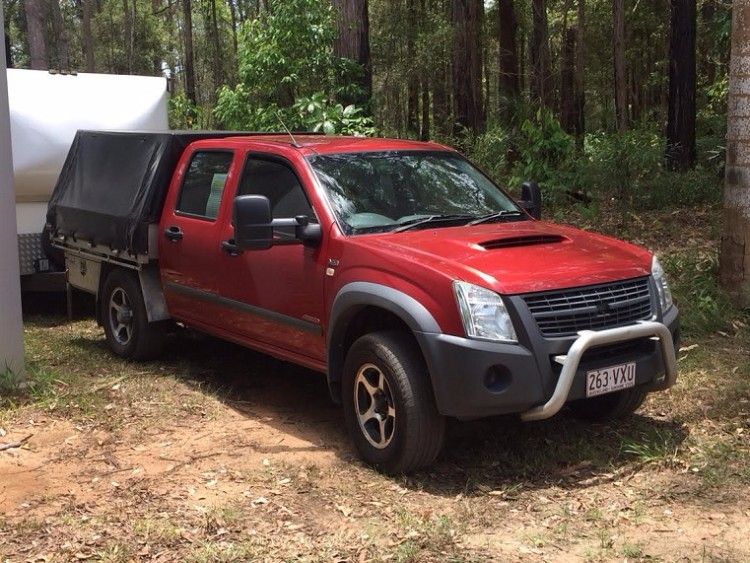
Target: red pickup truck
{"x": 398, "y": 269}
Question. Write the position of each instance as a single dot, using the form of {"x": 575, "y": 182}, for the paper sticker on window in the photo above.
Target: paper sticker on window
{"x": 214, "y": 197}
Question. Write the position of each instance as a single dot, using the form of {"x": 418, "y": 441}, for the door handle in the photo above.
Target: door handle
{"x": 173, "y": 233}
{"x": 230, "y": 247}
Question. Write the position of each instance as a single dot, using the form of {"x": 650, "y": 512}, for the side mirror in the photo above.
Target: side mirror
{"x": 531, "y": 199}
{"x": 253, "y": 229}
{"x": 253, "y": 224}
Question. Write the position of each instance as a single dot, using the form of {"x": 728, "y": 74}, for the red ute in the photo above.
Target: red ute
{"x": 420, "y": 288}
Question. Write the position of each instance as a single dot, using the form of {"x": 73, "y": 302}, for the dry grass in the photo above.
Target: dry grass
{"x": 219, "y": 454}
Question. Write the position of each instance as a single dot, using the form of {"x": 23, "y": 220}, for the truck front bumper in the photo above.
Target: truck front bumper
{"x": 473, "y": 379}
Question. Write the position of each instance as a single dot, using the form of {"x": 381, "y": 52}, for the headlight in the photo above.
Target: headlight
{"x": 483, "y": 313}
{"x": 662, "y": 287}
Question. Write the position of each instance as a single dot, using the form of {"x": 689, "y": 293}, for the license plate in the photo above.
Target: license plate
{"x": 611, "y": 379}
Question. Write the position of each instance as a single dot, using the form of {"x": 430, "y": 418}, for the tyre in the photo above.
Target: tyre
{"x": 610, "y": 406}
{"x": 389, "y": 408}
{"x": 123, "y": 313}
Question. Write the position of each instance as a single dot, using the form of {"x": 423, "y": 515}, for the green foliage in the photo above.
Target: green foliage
{"x": 318, "y": 113}
{"x": 545, "y": 154}
{"x": 636, "y": 155}
{"x": 133, "y": 55}
{"x": 627, "y": 167}
{"x": 37, "y": 385}
{"x": 287, "y": 51}
{"x": 490, "y": 151}
{"x": 183, "y": 114}
{"x": 693, "y": 276}
{"x": 654, "y": 444}
{"x": 314, "y": 113}
{"x": 9, "y": 386}
{"x": 287, "y": 69}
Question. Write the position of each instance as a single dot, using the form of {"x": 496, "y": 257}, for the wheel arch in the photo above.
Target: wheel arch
{"x": 363, "y": 307}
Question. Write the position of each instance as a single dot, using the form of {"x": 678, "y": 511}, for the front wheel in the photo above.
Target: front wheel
{"x": 123, "y": 313}
{"x": 389, "y": 407}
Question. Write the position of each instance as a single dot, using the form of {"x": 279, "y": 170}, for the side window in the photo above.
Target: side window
{"x": 278, "y": 182}
{"x": 204, "y": 184}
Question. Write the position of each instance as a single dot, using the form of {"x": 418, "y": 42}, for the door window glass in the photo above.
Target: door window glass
{"x": 204, "y": 184}
{"x": 278, "y": 182}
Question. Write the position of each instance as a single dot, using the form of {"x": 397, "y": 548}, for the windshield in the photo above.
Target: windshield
{"x": 388, "y": 191}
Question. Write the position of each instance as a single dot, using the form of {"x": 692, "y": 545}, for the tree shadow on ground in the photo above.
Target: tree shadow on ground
{"x": 499, "y": 454}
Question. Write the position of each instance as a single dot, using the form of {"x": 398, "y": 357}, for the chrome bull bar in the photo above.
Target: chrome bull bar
{"x": 590, "y": 339}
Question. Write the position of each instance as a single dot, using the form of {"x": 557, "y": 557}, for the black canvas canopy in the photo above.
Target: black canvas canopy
{"x": 113, "y": 185}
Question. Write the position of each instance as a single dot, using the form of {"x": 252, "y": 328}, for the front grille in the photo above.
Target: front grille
{"x": 564, "y": 313}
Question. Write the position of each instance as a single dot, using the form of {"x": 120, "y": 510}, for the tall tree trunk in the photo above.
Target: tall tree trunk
{"x": 734, "y": 262}
{"x": 580, "y": 75}
{"x": 708, "y": 12}
{"x": 187, "y": 38}
{"x": 424, "y": 133}
{"x": 35, "y": 18}
{"x": 87, "y": 38}
{"x": 233, "y": 15}
{"x": 467, "y": 64}
{"x": 440, "y": 100}
{"x": 541, "y": 87}
{"x": 128, "y": 35}
{"x": 353, "y": 43}
{"x": 680, "y": 153}
{"x": 412, "y": 81}
{"x": 508, "y": 84}
{"x": 61, "y": 36}
{"x": 8, "y": 56}
{"x": 218, "y": 58}
{"x": 618, "y": 50}
{"x": 567, "y": 82}
{"x": 156, "y": 60}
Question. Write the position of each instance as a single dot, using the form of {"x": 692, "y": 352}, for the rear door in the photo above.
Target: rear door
{"x": 275, "y": 296}
{"x": 190, "y": 232}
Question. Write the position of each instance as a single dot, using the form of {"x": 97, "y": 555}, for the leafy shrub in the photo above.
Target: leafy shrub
{"x": 318, "y": 113}
{"x": 491, "y": 150}
{"x": 183, "y": 114}
{"x": 314, "y": 113}
{"x": 621, "y": 165}
{"x": 693, "y": 276}
{"x": 287, "y": 70}
{"x": 627, "y": 167}
{"x": 545, "y": 153}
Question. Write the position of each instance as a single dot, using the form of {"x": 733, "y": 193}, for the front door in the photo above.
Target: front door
{"x": 276, "y": 294}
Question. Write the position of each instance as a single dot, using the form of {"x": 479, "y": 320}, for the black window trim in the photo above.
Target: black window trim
{"x": 205, "y": 218}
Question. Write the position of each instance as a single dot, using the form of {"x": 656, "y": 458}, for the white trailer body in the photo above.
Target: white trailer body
{"x": 46, "y": 110}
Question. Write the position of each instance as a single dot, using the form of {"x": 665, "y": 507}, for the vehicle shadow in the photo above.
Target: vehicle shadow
{"x": 500, "y": 455}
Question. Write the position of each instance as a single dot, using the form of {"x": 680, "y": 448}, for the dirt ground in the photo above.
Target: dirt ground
{"x": 217, "y": 453}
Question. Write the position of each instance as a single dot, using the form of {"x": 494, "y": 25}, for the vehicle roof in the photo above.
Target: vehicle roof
{"x": 327, "y": 144}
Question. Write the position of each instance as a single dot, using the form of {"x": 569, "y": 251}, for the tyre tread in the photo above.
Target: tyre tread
{"x": 426, "y": 427}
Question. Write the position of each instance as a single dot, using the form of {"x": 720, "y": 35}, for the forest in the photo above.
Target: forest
{"x": 597, "y": 100}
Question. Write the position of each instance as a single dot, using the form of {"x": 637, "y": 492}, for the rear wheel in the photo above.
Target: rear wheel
{"x": 610, "y": 406}
{"x": 123, "y": 313}
{"x": 389, "y": 408}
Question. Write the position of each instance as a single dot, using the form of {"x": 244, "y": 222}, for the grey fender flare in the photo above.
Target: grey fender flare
{"x": 351, "y": 299}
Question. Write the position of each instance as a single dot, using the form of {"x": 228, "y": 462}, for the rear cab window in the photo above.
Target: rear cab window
{"x": 203, "y": 186}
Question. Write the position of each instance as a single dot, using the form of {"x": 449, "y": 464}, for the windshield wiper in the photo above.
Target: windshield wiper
{"x": 414, "y": 223}
{"x": 496, "y": 215}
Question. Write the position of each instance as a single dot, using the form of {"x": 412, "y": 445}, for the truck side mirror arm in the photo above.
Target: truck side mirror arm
{"x": 253, "y": 224}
